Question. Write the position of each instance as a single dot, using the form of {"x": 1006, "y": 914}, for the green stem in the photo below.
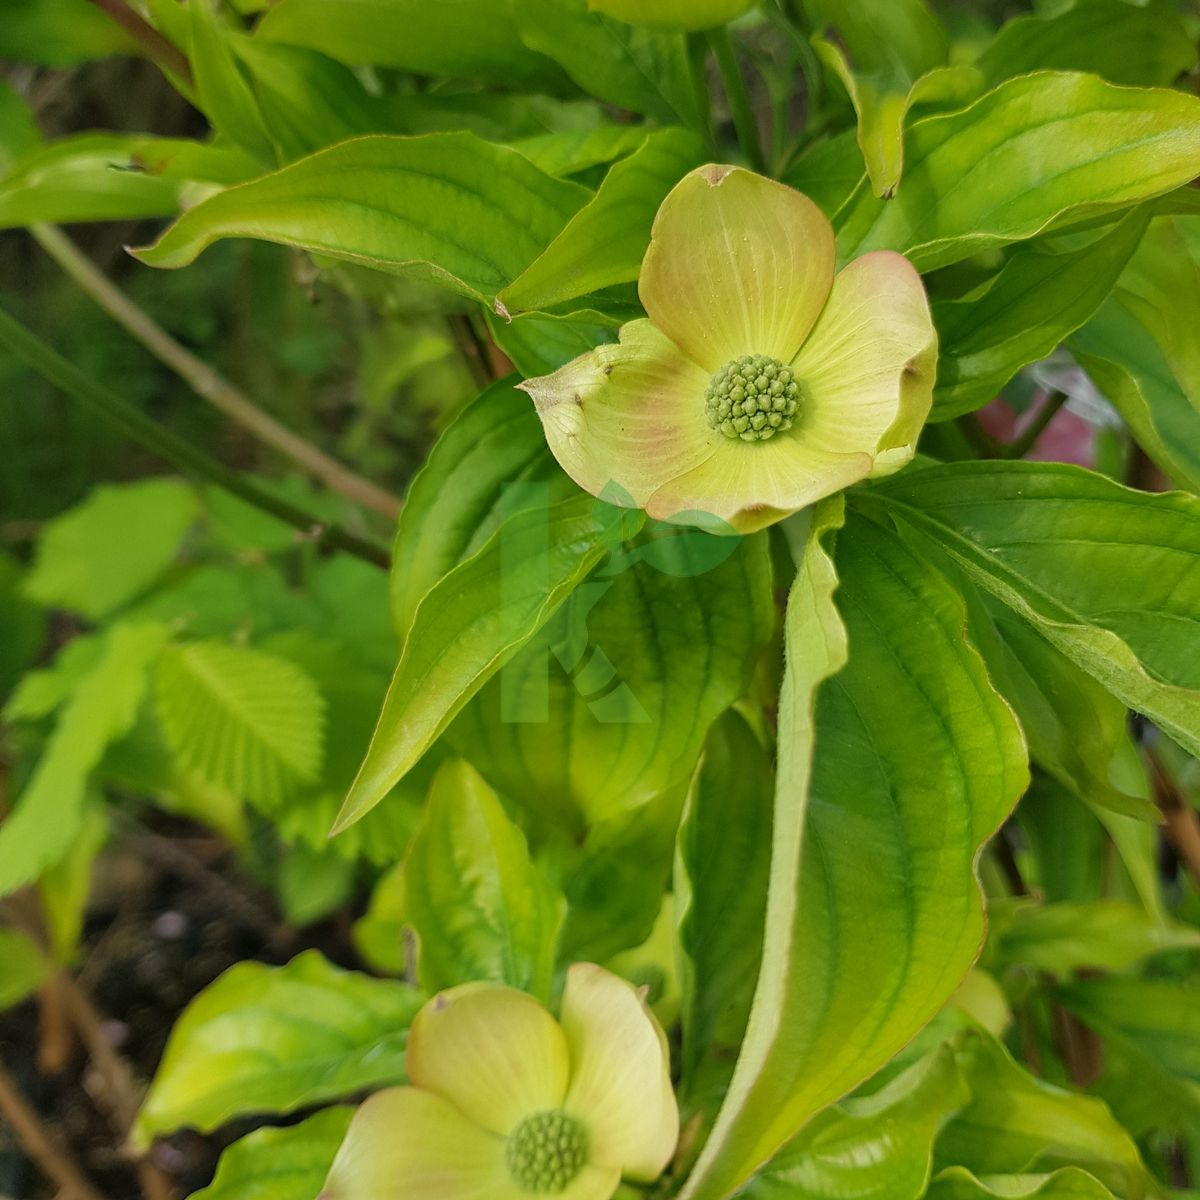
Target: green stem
{"x": 1028, "y": 439}
{"x": 205, "y": 381}
{"x": 29, "y": 349}
{"x": 982, "y": 442}
{"x": 739, "y": 100}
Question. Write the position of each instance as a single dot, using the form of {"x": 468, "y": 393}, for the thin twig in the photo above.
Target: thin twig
{"x": 157, "y": 48}
{"x": 739, "y": 99}
{"x": 1182, "y": 824}
{"x": 206, "y": 382}
{"x": 1026, "y": 441}
{"x": 29, "y": 349}
{"x": 467, "y": 340}
{"x": 121, "y": 1091}
{"x": 41, "y": 1145}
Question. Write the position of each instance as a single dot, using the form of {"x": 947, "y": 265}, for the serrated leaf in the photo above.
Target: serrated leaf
{"x": 854, "y": 962}
{"x": 280, "y": 1164}
{"x": 103, "y": 707}
{"x": 274, "y": 1039}
{"x": 464, "y": 38}
{"x": 481, "y": 909}
{"x": 472, "y": 622}
{"x": 102, "y": 553}
{"x": 605, "y": 242}
{"x": 1108, "y": 575}
{"x": 999, "y": 171}
{"x": 876, "y": 1147}
{"x": 1042, "y": 294}
{"x": 447, "y": 208}
{"x": 240, "y": 719}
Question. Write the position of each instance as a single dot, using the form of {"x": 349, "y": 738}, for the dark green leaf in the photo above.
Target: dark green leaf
{"x": 1107, "y": 575}
{"x": 604, "y": 243}
{"x": 628, "y": 65}
{"x": 609, "y": 706}
{"x": 469, "y": 625}
{"x": 446, "y": 208}
{"x": 874, "y": 914}
{"x": 1042, "y": 294}
{"x": 1003, "y": 169}
{"x": 1126, "y": 43}
{"x": 454, "y": 501}
{"x": 465, "y": 38}
{"x": 721, "y": 872}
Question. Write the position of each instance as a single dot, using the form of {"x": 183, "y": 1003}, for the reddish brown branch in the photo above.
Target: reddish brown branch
{"x": 157, "y": 48}
{"x": 1182, "y": 824}
{"x": 39, "y": 1143}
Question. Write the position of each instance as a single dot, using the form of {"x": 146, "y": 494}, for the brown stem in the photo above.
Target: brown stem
{"x": 122, "y": 1095}
{"x": 158, "y": 49}
{"x": 56, "y": 1040}
{"x": 207, "y": 383}
{"x": 41, "y": 1145}
{"x": 1182, "y": 824}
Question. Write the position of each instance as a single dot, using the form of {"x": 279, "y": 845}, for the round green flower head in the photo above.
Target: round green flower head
{"x": 509, "y": 1104}
{"x": 687, "y": 16}
{"x": 762, "y": 379}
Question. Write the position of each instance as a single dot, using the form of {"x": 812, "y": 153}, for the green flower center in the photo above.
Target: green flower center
{"x": 752, "y": 398}
{"x": 546, "y": 1151}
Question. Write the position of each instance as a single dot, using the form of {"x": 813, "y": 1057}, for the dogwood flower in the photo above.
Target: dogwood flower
{"x": 761, "y": 381}
{"x": 682, "y": 15}
{"x": 507, "y": 1103}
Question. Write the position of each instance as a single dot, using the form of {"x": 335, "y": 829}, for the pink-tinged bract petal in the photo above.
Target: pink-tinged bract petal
{"x": 620, "y": 1074}
{"x": 685, "y": 16}
{"x": 867, "y": 369}
{"x": 629, "y": 413}
{"x": 493, "y": 1052}
{"x": 411, "y": 1143}
{"x": 738, "y": 264}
